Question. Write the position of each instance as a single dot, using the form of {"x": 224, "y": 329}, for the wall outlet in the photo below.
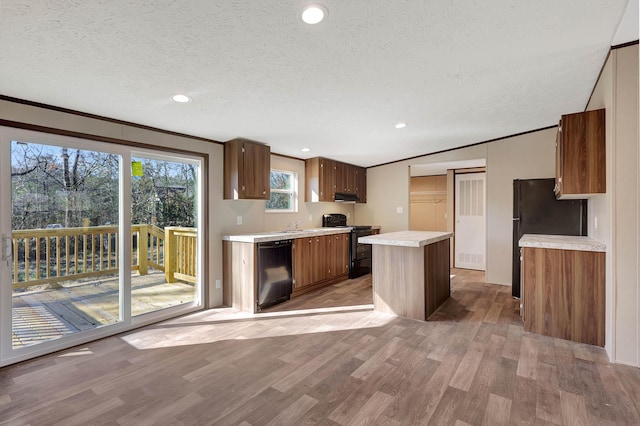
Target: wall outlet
{"x": 399, "y": 210}
{"x": 239, "y": 220}
{"x": 310, "y": 218}
{"x": 595, "y": 222}
{"x": 218, "y": 284}
{"x": 348, "y": 215}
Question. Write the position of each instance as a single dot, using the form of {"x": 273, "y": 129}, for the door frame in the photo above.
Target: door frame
{"x": 9, "y": 355}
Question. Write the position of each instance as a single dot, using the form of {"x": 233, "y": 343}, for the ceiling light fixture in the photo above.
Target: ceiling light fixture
{"x": 401, "y": 125}
{"x": 181, "y": 98}
{"x": 313, "y": 13}
{"x": 305, "y": 149}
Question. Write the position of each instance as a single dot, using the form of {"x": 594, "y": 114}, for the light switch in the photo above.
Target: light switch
{"x": 595, "y": 222}
{"x": 239, "y": 220}
{"x": 399, "y": 210}
{"x": 218, "y": 284}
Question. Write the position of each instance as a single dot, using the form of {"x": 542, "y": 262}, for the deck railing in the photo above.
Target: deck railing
{"x": 51, "y": 256}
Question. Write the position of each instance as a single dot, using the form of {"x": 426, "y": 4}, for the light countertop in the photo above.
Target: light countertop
{"x": 561, "y": 242}
{"x": 406, "y": 238}
{"x": 264, "y": 237}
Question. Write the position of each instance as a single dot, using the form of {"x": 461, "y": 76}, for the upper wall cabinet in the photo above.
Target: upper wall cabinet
{"x": 345, "y": 178}
{"x": 325, "y": 177}
{"x": 320, "y": 177}
{"x": 580, "y": 155}
{"x": 247, "y": 167}
{"x": 361, "y": 184}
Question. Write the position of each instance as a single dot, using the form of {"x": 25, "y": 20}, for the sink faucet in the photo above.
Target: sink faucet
{"x": 298, "y": 223}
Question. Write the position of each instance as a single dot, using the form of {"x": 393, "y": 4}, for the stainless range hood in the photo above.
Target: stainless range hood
{"x": 343, "y": 197}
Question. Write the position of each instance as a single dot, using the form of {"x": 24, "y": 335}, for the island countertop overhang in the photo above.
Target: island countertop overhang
{"x": 406, "y": 238}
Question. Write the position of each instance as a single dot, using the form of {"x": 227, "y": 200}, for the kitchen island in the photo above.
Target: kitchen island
{"x": 410, "y": 272}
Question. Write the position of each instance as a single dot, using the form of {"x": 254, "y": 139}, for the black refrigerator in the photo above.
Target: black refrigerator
{"x": 536, "y": 211}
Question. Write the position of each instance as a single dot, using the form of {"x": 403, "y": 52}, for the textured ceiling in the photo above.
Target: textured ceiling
{"x": 457, "y": 71}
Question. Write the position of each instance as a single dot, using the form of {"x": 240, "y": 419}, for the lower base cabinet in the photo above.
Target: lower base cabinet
{"x": 316, "y": 262}
{"x": 319, "y": 261}
{"x": 564, "y": 294}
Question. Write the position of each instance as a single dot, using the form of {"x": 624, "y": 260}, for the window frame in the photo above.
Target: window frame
{"x": 293, "y": 192}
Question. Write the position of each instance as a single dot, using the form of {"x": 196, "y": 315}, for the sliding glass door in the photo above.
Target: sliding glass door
{"x": 96, "y": 239}
{"x": 164, "y": 201}
{"x": 64, "y": 225}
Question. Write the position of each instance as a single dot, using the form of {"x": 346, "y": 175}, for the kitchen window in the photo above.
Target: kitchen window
{"x": 283, "y": 191}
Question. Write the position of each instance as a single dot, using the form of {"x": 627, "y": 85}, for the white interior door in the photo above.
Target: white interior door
{"x": 470, "y": 221}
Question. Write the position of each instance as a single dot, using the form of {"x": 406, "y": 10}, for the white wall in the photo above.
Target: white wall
{"x": 223, "y": 214}
{"x": 617, "y": 210}
{"x": 521, "y": 157}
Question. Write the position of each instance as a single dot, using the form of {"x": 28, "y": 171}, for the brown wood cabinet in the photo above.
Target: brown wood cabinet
{"x": 563, "y": 294}
{"x": 325, "y": 177}
{"x": 303, "y": 262}
{"x": 247, "y": 167}
{"x": 320, "y": 179}
{"x": 319, "y": 261}
{"x": 339, "y": 258}
{"x": 345, "y": 178}
{"x": 361, "y": 184}
{"x": 580, "y": 155}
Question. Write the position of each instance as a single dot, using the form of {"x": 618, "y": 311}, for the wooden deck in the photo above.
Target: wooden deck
{"x": 45, "y": 314}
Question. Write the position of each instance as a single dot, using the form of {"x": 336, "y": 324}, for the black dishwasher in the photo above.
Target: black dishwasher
{"x": 275, "y": 279}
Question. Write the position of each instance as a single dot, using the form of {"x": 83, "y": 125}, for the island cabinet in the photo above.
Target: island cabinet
{"x": 563, "y": 288}
{"x": 580, "y": 155}
{"x": 410, "y": 272}
{"x": 247, "y": 167}
{"x": 319, "y": 261}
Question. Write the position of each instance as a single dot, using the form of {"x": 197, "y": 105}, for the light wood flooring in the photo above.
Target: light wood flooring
{"x": 308, "y": 363}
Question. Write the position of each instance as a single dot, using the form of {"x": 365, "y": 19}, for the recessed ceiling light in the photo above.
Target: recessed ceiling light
{"x": 305, "y": 149}
{"x": 181, "y": 98}
{"x": 313, "y": 13}
{"x": 401, "y": 125}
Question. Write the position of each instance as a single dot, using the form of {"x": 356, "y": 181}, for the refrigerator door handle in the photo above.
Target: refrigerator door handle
{"x": 516, "y": 218}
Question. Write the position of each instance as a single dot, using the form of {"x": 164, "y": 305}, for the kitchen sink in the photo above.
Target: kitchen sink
{"x": 297, "y": 231}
